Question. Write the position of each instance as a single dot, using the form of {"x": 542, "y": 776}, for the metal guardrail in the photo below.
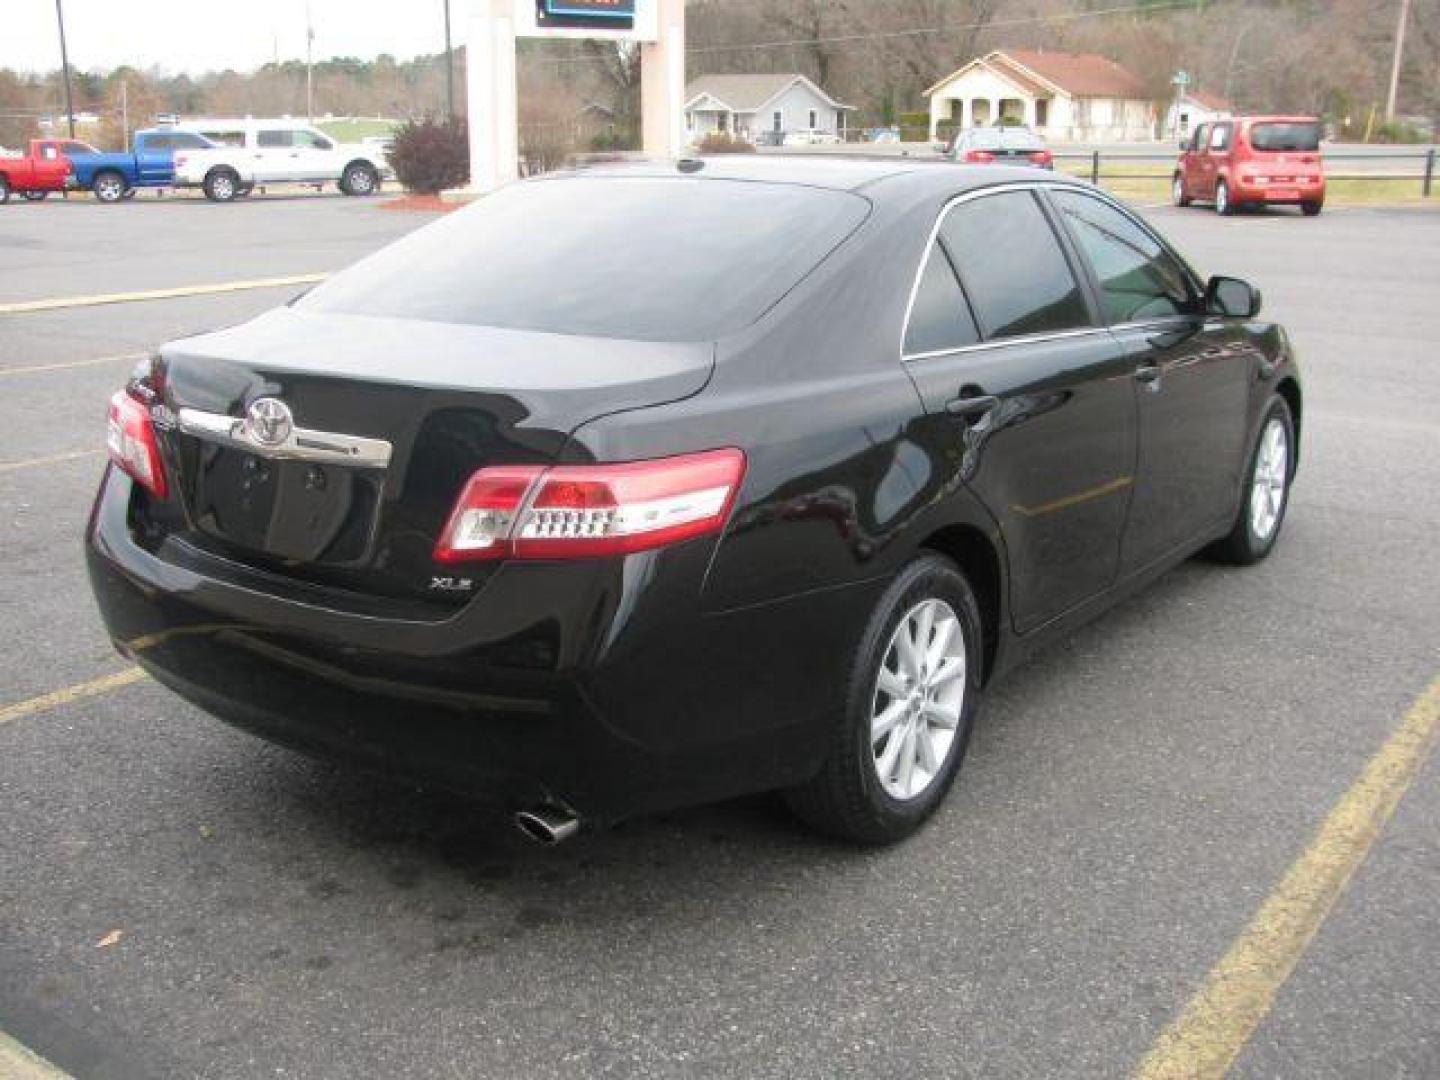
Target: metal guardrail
{"x": 1424, "y": 159}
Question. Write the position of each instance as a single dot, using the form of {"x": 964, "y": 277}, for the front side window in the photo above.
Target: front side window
{"x": 1202, "y": 137}
{"x": 1138, "y": 278}
{"x": 1012, "y": 267}
{"x": 312, "y": 140}
{"x": 940, "y": 319}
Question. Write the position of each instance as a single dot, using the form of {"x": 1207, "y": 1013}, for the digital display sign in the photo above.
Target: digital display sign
{"x": 612, "y": 13}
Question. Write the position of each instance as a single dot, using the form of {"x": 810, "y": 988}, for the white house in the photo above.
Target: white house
{"x": 1192, "y": 110}
{"x": 760, "y": 107}
{"x": 1066, "y": 97}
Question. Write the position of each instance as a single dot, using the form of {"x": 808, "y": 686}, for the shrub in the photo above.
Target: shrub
{"x": 431, "y": 155}
{"x": 1397, "y": 131}
{"x": 722, "y": 142}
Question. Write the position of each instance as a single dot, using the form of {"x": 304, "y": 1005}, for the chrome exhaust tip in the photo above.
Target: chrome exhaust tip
{"x": 548, "y": 825}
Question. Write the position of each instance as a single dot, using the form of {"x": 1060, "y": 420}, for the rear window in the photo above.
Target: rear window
{"x": 645, "y": 258}
{"x": 1283, "y": 137}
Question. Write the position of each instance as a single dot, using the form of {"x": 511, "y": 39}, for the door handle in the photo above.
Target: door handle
{"x": 972, "y": 406}
{"x": 1147, "y": 373}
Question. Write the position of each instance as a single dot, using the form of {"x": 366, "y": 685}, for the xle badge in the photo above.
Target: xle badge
{"x": 451, "y": 584}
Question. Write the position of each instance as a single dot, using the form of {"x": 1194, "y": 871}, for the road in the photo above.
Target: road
{"x": 178, "y": 899}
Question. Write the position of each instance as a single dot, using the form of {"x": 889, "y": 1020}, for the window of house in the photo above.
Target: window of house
{"x": 778, "y": 120}
{"x": 814, "y": 119}
{"x": 940, "y": 318}
{"x": 1138, "y": 278}
{"x": 1012, "y": 267}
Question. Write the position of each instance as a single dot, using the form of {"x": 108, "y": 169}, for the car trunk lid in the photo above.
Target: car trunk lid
{"x": 330, "y": 449}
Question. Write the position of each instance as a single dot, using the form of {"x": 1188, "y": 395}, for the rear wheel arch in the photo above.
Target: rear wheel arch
{"x": 979, "y": 560}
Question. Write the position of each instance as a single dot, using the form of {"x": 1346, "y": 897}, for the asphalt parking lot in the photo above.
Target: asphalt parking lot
{"x": 1130, "y": 800}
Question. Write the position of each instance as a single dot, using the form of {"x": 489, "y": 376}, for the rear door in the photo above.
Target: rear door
{"x": 275, "y": 156}
{"x": 1191, "y": 377}
{"x": 1026, "y": 394}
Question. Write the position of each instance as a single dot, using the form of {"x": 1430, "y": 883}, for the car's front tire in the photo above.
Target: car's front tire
{"x": 1266, "y": 495}
{"x": 34, "y": 196}
{"x": 1177, "y": 191}
{"x": 1311, "y": 209}
{"x": 221, "y": 185}
{"x": 911, "y": 698}
{"x": 4, "y": 190}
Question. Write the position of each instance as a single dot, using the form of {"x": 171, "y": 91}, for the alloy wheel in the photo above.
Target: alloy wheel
{"x": 918, "y": 700}
{"x": 1267, "y": 485}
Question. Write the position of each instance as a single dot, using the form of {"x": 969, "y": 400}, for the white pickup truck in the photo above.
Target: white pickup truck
{"x": 276, "y": 152}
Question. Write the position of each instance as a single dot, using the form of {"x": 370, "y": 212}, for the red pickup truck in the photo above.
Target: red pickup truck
{"x": 35, "y": 175}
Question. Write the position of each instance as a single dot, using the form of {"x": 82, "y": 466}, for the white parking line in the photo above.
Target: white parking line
{"x": 18, "y": 1062}
{"x": 59, "y": 303}
{"x": 35, "y": 369}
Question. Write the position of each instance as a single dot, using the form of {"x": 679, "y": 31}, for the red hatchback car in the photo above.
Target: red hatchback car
{"x": 1253, "y": 161}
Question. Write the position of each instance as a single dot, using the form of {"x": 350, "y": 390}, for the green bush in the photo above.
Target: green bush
{"x": 722, "y": 142}
{"x": 914, "y": 119}
{"x": 431, "y": 155}
{"x": 1396, "y": 131}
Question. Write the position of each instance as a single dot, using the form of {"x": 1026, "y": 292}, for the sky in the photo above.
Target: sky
{"x": 190, "y": 36}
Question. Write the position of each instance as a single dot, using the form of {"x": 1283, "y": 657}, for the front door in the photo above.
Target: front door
{"x": 1027, "y": 396}
{"x": 1191, "y": 377}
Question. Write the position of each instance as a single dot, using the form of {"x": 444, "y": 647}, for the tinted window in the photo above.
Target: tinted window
{"x": 159, "y": 142}
{"x": 187, "y": 140}
{"x": 650, "y": 258}
{"x": 311, "y": 140}
{"x": 1283, "y": 137}
{"x": 273, "y": 139}
{"x": 1202, "y": 137}
{"x": 1138, "y": 278}
{"x": 1012, "y": 266}
{"x": 940, "y": 318}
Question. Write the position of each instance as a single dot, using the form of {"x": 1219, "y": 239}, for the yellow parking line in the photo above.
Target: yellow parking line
{"x": 56, "y": 698}
{"x": 26, "y": 306}
{"x": 34, "y": 369}
{"x": 1212, "y": 1029}
{"x": 18, "y": 1062}
{"x": 53, "y": 459}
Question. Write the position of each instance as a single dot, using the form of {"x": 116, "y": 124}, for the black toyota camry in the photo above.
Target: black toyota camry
{"x": 656, "y": 484}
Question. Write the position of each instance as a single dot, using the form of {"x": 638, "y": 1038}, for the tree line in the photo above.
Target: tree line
{"x": 1330, "y": 57}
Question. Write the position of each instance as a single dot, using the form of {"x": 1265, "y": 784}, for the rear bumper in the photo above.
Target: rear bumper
{"x": 1279, "y": 194}
{"x": 596, "y": 686}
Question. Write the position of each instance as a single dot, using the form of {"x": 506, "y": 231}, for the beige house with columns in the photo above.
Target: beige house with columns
{"x": 1065, "y": 97}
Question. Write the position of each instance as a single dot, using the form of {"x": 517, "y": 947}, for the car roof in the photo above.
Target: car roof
{"x": 835, "y": 172}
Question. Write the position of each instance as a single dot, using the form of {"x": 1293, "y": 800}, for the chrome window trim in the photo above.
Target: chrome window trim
{"x": 949, "y": 205}
{"x": 302, "y": 444}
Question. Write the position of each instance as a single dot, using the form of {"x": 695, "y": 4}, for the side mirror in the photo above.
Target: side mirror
{"x": 1232, "y": 297}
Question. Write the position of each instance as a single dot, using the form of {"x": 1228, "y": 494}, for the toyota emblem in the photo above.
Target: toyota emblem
{"x": 268, "y": 421}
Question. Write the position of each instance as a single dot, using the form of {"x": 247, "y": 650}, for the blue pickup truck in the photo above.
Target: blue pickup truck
{"x": 113, "y": 177}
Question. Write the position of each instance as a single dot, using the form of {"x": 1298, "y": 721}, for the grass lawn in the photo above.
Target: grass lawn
{"x": 1149, "y": 183}
{"x": 355, "y": 130}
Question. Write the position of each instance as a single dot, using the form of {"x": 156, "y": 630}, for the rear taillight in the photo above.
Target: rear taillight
{"x": 1042, "y": 157}
{"x": 180, "y": 159}
{"x": 979, "y": 157}
{"x": 130, "y": 438}
{"x": 585, "y": 511}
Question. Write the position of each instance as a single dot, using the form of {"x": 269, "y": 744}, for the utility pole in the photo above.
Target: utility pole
{"x": 309, "y": 73}
{"x": 449, "y": 66}
{"x": 65, "y": 69}
{"x": 1395, "y": 65}
{"x": 124, "y": 114}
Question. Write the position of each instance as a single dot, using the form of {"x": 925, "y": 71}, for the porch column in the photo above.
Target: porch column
{"x": 936, "y": 104}
{"x": 1030, "y": 112}
{"x": 967, "y": 114}
{"x": 994, "y": 111}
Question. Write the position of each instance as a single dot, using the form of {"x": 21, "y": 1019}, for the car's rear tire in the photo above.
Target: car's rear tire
{"x": 1266, "y": 495}
{"x": 4, "y": 190}
{"x": 1311, "y": 209}
{"x": 1223, "y": 205}
{"x": 221, "y": 185}
{"x": 359, "y": 179}
{"x": 1177, "y": 191}
{"x": 108, "y": 186}
{"x": 34, "y": 196}
{"x": 913, "y": 690}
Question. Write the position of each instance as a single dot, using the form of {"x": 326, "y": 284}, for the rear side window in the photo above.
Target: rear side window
{"x": 650, "y": 258}
{"x": 272, "y": 139}
{"x": 159, "y": 142}
{"x": 940, "y": 319}
{"x": 1138, "y": 278}
{"x": 1278, "y": 138}
{"x": 1220, "y": 137}
{"x": 1012, "y": 267}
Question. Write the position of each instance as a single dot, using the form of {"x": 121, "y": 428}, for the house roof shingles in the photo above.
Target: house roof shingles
{"x": 1078, "y": 74}
{"x": 743, "y": 93}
